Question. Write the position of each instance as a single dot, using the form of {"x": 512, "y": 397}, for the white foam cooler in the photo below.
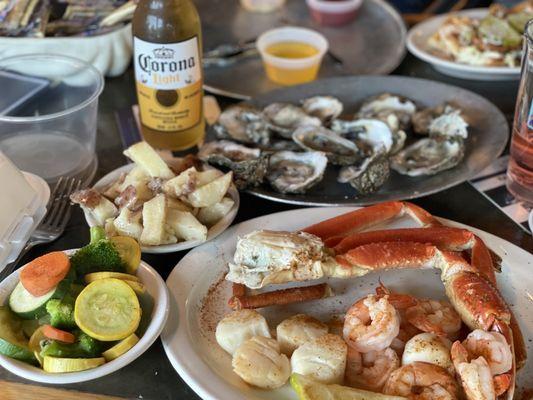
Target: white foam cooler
{"x": 23, "y": 199}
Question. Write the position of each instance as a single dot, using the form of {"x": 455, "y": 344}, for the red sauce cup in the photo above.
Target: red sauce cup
{"x": 334, "y": 12}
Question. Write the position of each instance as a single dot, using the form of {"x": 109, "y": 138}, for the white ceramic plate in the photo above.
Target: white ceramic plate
{"x": 199, "y": 300}
{"x": 156, "y": 292}
{"x": 213, "y": 232}
{"x": 417, "y": 44}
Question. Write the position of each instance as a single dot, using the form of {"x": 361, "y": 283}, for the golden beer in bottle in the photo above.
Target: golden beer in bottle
{"x": 168, "y": 72}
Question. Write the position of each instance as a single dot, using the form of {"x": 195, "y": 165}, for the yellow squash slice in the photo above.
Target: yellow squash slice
{"x": 61, "y": 365}
{"x": 129, "y": 251}
{"x": 121, "y": 347}
{"x": 107, "y": 310}
{"x": 89, "y": 278}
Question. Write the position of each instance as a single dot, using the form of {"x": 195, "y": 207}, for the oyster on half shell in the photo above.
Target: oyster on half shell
{"x": 291, "y": 172}
{"x": 340, "y": 151}
{"x": 367, "y": 176}
{"x": 249, "y": 166}
{"x": 326, "y": 108}
{"x": 242, "y": 124}
{"x": 428, "y": 156}
{"x": 394, "y": 110}
{"x": 284, "y": 118}
{"x": 422, "y": 120}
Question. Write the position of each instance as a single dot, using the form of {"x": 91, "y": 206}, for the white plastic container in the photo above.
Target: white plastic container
{"x": 22, "y": 206}
{"x": 292, "y": 71}
{"x": 262, "y": 6}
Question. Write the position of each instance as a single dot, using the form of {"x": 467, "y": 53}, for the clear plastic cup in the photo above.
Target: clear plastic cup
{"x": 292, "y": 71}
{"x": 334, "y": 13}
{"x": 53, "y": 134}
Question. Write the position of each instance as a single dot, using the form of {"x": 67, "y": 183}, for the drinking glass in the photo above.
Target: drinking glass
{"x": 53, "y": 134}
{"x": 520, "y": 170}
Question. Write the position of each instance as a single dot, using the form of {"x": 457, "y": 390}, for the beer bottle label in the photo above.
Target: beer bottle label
{"x": 169, "y": 84}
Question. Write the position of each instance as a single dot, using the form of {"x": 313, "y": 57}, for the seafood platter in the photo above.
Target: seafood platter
{"x": 476, "y": 44}
{"x": 385, "y": 302}
{"x": 377, "y": 139}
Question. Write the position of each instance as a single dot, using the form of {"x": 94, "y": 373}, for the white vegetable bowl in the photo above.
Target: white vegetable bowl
{"x": 155, "y": 288}
{"x": 109, "y": 52}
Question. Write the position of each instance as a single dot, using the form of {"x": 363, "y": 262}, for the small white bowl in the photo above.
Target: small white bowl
{"x": 213, "y": 232}
{"x": 155, "y": 287}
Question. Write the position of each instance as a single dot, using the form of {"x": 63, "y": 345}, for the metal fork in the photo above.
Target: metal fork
{"x": 53, "y": 223}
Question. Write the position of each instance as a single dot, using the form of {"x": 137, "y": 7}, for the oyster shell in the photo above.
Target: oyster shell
{"x": 396, "y": 111}
{"x": 280, "y": 145}
{"x": 422, "y": 119}
{"x": 284, "y": 118}
{"x": 242, "y": 124}
{"x": 368, "y": 176}
{"x": 428, "y": 156}
{"x": 340, "y": 151}
{"x": 249, "y": 166}
{"x": 326, "y": 108}
{"x": 291, "y": 172}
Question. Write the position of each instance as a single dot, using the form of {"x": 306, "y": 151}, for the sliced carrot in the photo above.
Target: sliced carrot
{"x": 57, "y": 334}
{"x": 44, "y": 273}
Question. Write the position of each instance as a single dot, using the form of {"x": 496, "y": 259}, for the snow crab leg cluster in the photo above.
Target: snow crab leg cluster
{"x": 344, "y": 247}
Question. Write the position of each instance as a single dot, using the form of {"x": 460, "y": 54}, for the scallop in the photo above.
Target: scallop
{"x": 235, "y": 328}
{"x": 368, "y": 176}
{"x": 249, "y": 166}
{"x": 340, "y": 151}
{"x": 291, "y": 172}
{"x": 242, "y": 124}
{"x": 326, "y": 108}
{"x": 284, "y": 118}
{"x": 428, "y": 156}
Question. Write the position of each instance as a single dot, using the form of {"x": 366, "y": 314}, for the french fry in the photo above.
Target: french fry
{"x": 185, "y": 226}
{"x": 281, "y": 297}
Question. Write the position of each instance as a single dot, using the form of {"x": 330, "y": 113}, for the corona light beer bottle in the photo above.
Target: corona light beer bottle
{"x": 168, "y": 72}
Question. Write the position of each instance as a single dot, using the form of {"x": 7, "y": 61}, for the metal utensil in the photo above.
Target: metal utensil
{"x": 53, "y": 223}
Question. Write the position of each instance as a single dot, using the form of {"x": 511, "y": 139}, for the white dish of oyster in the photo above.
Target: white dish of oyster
{"x": 356, "y": 140}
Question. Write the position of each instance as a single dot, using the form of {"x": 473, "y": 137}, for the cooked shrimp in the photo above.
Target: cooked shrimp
{"x": 370, "y": 370}
{"x": 422, "y": 381}
{"x": 371, "y": 324}
{"x": 493, "y": 347}
{"x": 435, "y": 317}
{"x": 475, "y": 375}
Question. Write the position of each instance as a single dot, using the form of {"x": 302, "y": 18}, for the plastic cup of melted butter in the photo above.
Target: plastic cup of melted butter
{"x": 292, "y": 55}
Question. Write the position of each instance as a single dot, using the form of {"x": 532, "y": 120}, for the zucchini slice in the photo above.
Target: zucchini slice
{"x": 35, "y": 344}
{"x": 61, "y": 365}
{"x": 121, "y": 347}
{"x": 28, "y": 306}
{"x": 129, "y": 250}
{"x": 12, "y": 340}
{"x": 107, "y": 310}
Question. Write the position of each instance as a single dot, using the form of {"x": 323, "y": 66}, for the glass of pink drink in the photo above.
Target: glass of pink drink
{"x": 520, "y": 170}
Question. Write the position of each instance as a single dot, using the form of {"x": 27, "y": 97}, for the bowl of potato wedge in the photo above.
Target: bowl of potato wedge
{"x": 166, "y": 205}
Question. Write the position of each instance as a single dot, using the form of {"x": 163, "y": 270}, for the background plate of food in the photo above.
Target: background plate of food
{"x": 50, "y": 330}
{"x": 97, "y": 32}
{"x": 199, "y": 346}
{"x": 378, "y": 139}
{"x": 166, "y": 206}
{"x": 480, "y": 44}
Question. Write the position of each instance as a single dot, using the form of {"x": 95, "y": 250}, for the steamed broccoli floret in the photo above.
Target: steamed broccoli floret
{"x": 84, "y": 347}
{"x": 61, "y": 312}
{"x": 99, "y": 255}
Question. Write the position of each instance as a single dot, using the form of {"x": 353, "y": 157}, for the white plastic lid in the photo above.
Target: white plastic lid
{"x": 335, "y": 7}
{"x": 22, "y": 206}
